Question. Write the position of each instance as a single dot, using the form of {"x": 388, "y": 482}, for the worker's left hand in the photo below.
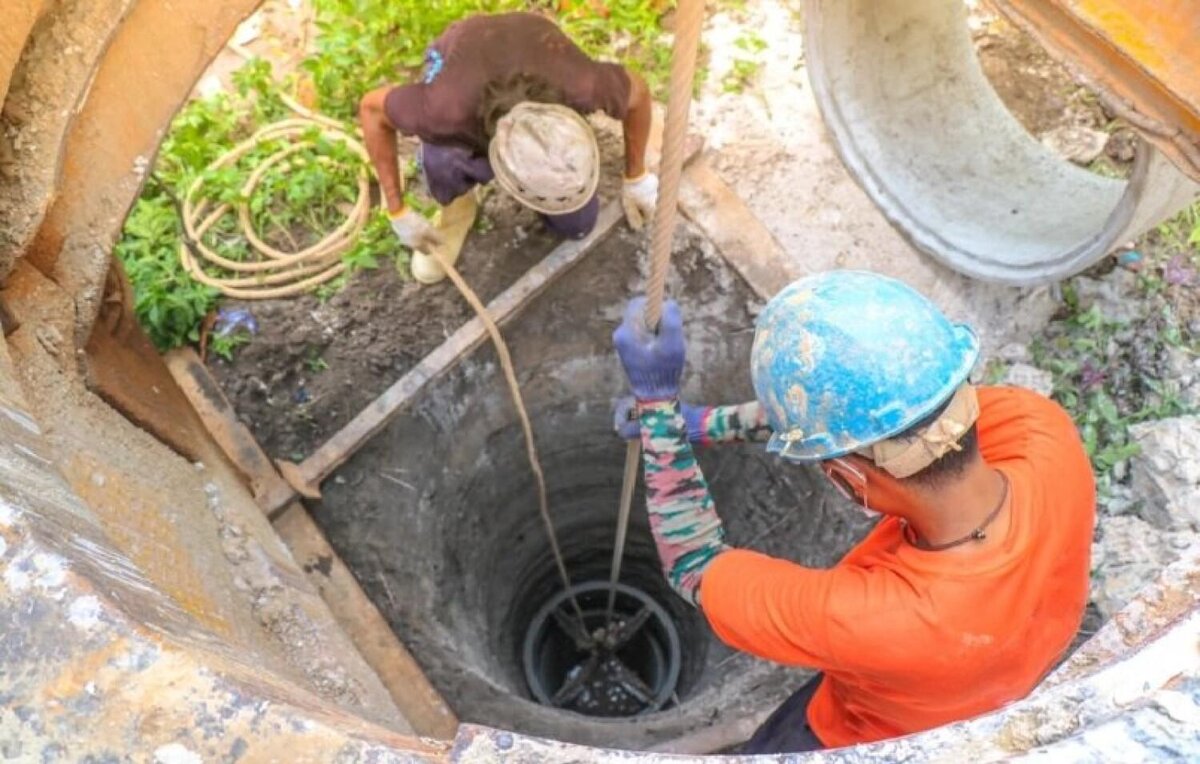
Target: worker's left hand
{"x": 627, "y": 426}
{"x": 638, "y": 198}
{"x": 653, "y": 361}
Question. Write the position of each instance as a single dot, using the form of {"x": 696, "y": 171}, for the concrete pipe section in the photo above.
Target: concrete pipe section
{"x": 460, "y": 564}
{"x": 921, "y": 130}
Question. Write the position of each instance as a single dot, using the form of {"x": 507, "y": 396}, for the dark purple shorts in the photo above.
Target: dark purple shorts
{"x": 787, "y": 730}
{"x": 451, "y": 171}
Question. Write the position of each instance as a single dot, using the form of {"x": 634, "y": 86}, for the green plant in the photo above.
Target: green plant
{"x": 223, "y": 345}
{"x": 994, "y": 372}
{"x": 740, "y": 76}
{"x": 167, "y": 302}
{"x": 315, "y": 362}
{"x": 630, "y": 30}
{"x": 744, "y": 70}
{"x": 1111, "y": 375}
{"x": 361, "y": 44}
{"x": 326, "y": 291}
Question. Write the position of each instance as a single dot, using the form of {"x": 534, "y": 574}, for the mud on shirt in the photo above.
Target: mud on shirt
{"x": 445, "y": 108}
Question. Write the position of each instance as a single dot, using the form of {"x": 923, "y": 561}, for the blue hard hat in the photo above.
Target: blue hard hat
{"x": 845, "y": 359}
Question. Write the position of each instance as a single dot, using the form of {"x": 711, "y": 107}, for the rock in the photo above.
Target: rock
{"x": 1128, "y": 556}
{"x": 1014, "y": 352}
{"x": 1113, "y": 294}
{"x": 1184, "y": 372}
{"x": 1120, "y": 499}
{"x": 1029, "y": 377}
{"x": 1166, "y": 474}
{"x": 1122, "y": 146}
{"x": 1081, "y": 145}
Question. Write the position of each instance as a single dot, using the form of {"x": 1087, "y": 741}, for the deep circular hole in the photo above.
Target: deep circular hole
{"x": 623, "y": 666}
{"x": 460, "y": 562}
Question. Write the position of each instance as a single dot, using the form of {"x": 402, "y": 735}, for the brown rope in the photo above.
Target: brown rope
{"x": 510, "y": 375}
{"x": 689, "y": 17}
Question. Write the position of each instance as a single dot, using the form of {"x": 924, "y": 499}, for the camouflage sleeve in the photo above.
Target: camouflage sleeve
{"x": 683, "y": 518}
{"x": 742, "y": 423}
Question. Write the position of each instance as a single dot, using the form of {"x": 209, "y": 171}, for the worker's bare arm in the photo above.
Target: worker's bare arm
{"x": 637, "y": 126}
{"x": 379, "y": 135}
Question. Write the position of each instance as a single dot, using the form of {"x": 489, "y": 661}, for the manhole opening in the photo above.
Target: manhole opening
{"x": 619, "y": 668}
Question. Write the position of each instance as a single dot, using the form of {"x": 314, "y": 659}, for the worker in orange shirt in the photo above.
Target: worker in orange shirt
{"x": 975, "y": 579}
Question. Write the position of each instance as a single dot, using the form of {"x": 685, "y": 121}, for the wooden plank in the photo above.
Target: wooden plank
{"x": 739, "y": 236}
{"x": 419, "y": 701}
{"x": 307, "y": 476}
{"x": 356, "y": 614}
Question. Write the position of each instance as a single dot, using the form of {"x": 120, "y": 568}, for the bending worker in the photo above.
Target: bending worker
{"x": 973, "y": 583}
{"x": 502, "y": 97}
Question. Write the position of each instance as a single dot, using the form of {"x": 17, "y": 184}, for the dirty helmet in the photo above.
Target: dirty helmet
{"x": 845, "y": 360}
{"x": 546, "y": 156}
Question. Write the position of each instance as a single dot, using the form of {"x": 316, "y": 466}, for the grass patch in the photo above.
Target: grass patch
{"x": 745, "y": 67}
{"x": 1111, "y": 374}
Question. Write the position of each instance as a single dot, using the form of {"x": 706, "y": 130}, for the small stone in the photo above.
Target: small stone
{"x": 1014, "y": 352}
{"x": 1029, "y": 377}
{"x": 1131, "y": 260}
{"x": 1120, "y": 470}
{"x": 1128, "y": 556}
{"x": 1111, "y": 295}
{"x": 1081, "y": 145}
{"x": 1166, "y": 474}
{"x": 50, "y": 339}
{"x": 1122, "y": 146}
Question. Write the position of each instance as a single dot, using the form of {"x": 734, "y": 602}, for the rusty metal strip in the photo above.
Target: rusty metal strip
{"x": 226, "y": 429}
{"x": 406, "y": 683}
{"x": 420, "y": 702}
{"x": 1141, "y": 57}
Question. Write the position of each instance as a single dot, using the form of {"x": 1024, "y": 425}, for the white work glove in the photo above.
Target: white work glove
{"x": 638, "y": 198}
{"x": 414, "y": 231}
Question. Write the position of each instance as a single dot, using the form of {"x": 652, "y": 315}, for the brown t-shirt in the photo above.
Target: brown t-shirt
{"x": 482, "y": 50}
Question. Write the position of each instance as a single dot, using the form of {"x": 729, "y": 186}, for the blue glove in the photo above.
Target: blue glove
{"x": 627, "y": 426}
{"x": 653, "y": 362}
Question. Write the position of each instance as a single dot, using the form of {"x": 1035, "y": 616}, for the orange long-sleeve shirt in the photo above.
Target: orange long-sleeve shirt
{"x": 910, "y": 639}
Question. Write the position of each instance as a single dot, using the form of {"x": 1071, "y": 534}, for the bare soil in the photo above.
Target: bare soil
{"x": 314, "y": 365}
{"x": 1042, "y": 93}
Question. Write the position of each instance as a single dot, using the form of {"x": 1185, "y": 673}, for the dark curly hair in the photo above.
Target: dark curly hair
{"x": 500, "y": 97}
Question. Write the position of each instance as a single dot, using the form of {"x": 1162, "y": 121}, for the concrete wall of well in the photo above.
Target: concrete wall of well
{"x": 148, "y": 607}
